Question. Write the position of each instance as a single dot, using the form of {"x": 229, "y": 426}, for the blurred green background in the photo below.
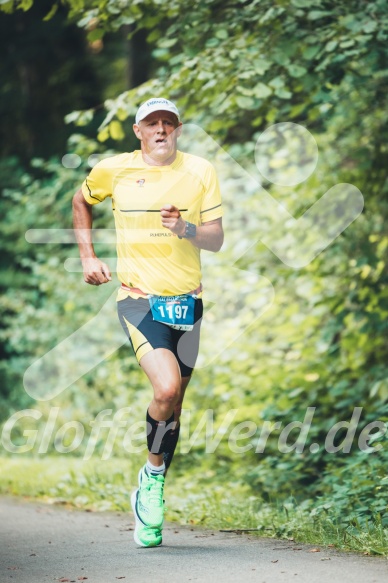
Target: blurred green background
{"x": 73, "y": 75}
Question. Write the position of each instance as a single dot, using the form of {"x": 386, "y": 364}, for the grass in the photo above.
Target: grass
{"x": 192, "y": 498}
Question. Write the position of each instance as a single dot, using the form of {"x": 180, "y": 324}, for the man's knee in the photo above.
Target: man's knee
{"x": 168, "y": 394}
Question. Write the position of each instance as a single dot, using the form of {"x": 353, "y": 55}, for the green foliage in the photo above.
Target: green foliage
{"x": 36, "y": 288}
{"x": 233, "y": 68}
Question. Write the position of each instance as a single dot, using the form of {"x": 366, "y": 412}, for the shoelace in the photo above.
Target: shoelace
{"x": 155, "y": 488}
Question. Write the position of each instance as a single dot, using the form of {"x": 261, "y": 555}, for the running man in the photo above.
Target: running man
{"x": 167, "y": 207}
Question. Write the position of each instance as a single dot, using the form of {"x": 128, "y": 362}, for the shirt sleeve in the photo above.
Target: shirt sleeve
{"x": 98, "y": 184}
{"x": 211, "y": 207}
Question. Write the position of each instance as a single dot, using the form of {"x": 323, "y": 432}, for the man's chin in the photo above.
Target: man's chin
{"x": 162, "y": 153}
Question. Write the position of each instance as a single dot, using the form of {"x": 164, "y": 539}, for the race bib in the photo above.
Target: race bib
{"x": 174, "y": 311}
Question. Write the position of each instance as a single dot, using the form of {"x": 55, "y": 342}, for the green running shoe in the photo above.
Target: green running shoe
{"x": 149, "y": 499}
{"x": 147, "y": 502}
{"x": 148, "y": 508}
{"x": 144, "y": 536}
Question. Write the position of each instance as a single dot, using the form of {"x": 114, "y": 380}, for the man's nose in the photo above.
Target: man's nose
{"x": 161, "y": 127}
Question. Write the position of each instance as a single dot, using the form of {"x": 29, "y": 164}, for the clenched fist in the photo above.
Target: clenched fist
{"x": 171, "y": 219}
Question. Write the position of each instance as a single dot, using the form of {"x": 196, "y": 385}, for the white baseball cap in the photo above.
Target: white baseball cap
{"x": 155, "y": 104}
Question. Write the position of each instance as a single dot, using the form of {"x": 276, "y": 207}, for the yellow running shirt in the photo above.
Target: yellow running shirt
{"x": 150, "y": 257}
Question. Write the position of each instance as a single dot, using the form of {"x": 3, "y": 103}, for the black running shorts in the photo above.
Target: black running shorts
{"x": 145, "y": 334}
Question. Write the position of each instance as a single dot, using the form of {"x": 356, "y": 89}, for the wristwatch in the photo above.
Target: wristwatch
{"x": 190, "y": 231}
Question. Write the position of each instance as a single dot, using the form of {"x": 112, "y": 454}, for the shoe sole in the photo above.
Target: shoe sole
{"x": 139, "y": 524}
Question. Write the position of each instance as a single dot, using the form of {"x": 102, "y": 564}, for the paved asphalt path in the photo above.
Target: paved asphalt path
{"x": 41, "y": 543}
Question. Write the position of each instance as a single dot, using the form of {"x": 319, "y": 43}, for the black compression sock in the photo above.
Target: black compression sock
{"x": 170, "y": 443}
{"x": 157, "y": 432}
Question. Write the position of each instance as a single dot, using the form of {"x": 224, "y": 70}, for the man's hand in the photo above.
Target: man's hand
{"x": 171, "y": 219}
{"x": 96, "y": 272}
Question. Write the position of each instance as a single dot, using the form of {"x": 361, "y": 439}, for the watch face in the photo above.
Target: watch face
{"x": 191, "y": 230}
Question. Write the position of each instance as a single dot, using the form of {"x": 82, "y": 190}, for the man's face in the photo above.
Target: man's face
{"x": 158, "y": 134}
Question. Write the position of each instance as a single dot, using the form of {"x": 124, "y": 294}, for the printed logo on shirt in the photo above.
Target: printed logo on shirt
{"x": 140, "y": 182}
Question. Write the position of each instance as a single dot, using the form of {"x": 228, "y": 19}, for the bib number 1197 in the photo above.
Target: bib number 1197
{"x": 174, "y": 311}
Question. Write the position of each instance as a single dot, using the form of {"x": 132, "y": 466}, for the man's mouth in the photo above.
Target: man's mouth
{"x": 161, "y": 141}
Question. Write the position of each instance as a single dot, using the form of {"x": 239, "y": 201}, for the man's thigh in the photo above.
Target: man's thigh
{"x": 147, "y": 335}
{"x": 162, "y": 369}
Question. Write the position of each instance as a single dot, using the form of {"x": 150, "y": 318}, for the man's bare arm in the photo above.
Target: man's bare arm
{"x": 96, "y": 272}
{"x": 209, "y": 236}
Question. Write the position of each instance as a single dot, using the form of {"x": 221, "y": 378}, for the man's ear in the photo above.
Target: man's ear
{"x": 137, "y": 131}
{"x": 179, "y": 130}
